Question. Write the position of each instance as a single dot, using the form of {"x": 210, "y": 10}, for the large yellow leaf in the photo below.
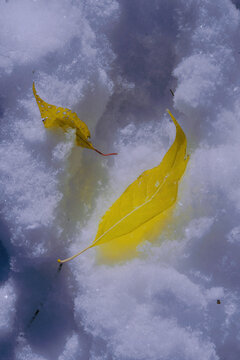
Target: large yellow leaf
{"x": 146, "y": 202}
{"x": 66, "y": 119}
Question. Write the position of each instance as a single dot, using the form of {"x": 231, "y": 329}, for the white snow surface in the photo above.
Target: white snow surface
{"x": 7, "y": 305}
{"x": 114, "y": 63}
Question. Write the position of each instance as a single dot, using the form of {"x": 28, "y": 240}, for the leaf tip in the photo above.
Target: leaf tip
{"x": 34, "y": 89}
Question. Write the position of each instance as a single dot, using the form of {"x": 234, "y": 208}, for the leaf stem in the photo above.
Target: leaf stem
{"x": 72, "y": 257}
{"x": 99, "y": 152}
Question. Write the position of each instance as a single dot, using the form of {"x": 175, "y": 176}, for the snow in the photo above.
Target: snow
{"x": 114, "y": 63}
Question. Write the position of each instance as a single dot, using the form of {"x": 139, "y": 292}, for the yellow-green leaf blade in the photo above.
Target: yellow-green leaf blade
{"x": 154, "y": 192}
{"x": 56, "y": 116}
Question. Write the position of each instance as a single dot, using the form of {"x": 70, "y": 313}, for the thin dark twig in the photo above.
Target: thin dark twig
{"x": 42, "y": 303}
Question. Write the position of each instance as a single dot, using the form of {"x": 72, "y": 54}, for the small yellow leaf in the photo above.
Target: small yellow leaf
{"x": 144, "y": 203}
{"x": 55, "y": 116}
